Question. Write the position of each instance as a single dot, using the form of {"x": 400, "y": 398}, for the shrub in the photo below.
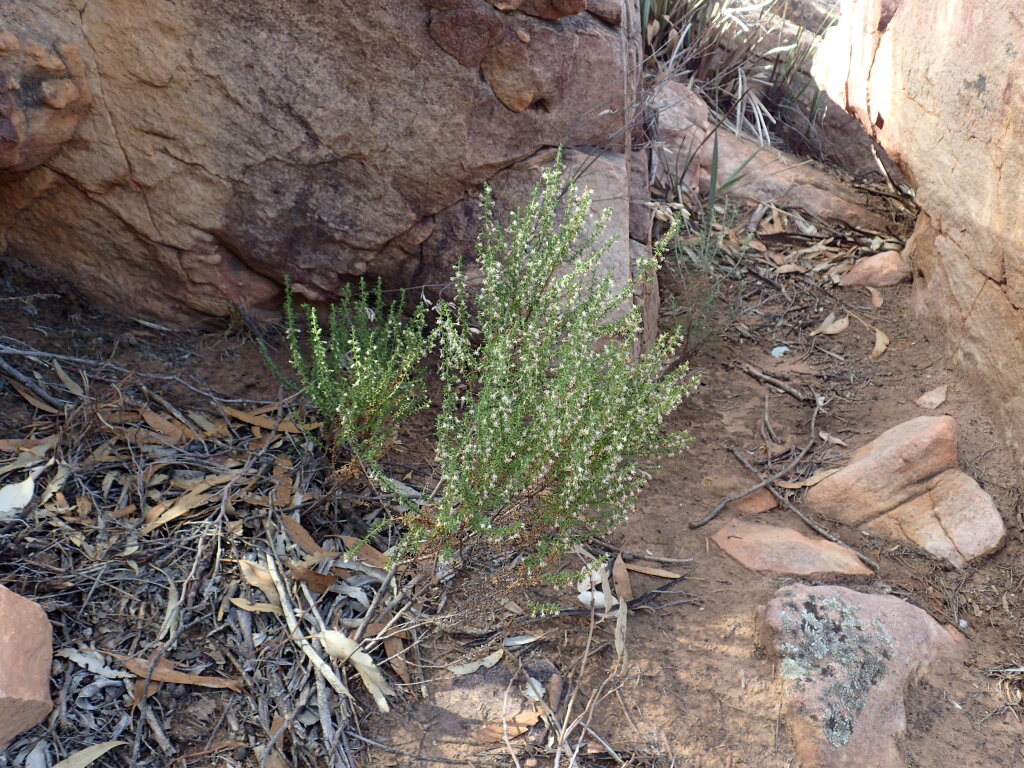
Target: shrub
{"x": 547, "y": 422}
{"x": 365, "y": 376}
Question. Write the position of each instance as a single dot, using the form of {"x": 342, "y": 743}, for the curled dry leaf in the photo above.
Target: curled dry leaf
{"x": 259, "y": 577}
{"x": 341, "y": 646}
{"x": 881, "y": 344}
{"x": 830, "y": 438}
{"x": 620, "y": 579}
{"x": 516, "y": 725}
{"x": 470, "y": 667}
{"x": 876, "y": 296}
{"x": 366, "y": 552}
{"x": 16, "y": 496}
{"x": 787, "y": 269}
{"x": 247, "y": 605}
{"x": 933, "y": 398}
{"x": 265, "y": 422}
{"x": 830, "y": 326}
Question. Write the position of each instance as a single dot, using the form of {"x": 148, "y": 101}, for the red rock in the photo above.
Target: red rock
{"x": 845, "y": 659}
{"x": 955, "y": 520}
{"x": 542, "y": 9}
{"x": 174, "y": 166}
{"x": 879, "y": 271}
{"x": 762, "y": 174}
{"x": 26, "y": 651}
{"x": 606, "y": 10}
{"x": 754, "y": 503}
{"x": 895, "y": 467}
{"x": 465, "y": 33}
{"x": 771, "y": 549}
{"x": 904, "y": 486}
{"x": 941, "y": 87}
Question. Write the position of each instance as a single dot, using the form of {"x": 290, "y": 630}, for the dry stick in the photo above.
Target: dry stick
{"x": 371, "y": 611}
{"x": 766, "y": 379}
{"x": 30, "y": 385}
{"x": 811, "y": 523}
{"x": 767, "y": 481}
{"x": 35, "y": 353}
{"x": 321, "y": 666}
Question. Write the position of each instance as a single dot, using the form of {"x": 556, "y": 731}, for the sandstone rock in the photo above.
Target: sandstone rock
{"x": 904, "y": 485}
{"x": 895, "y": 467}
{"x": 942, "y": 90}
{"x": 845, "y": 659}
{"x": 26, "y": 651}
{"x": 954, "y": 520}
{"x": 606, "y": 10}
{"x": 213, "y": 162}
{"x": 466, "y": 33}
{"x": 771, "y": 549}
{"x": 763, "y": 174}
{"x": 44, "y": 95}
{"x": 544, "y": 9}
{"x": 754, "y": 503}
{"x": 879, "y": 271}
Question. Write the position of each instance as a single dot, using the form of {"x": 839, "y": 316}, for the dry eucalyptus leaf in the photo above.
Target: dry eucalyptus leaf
{"x": 259, "y": 577}
{"x": 881, "y": 344}
{"x": 832, "y": 327}
{"x": 247, "y": 605}
{"x": 829, "y": 438}
{"x": 649, "y": 570}
{"x": 301, "y": 537}
{"x": 876, "y": 297}
{"x": 89, "y": 755}
{"x": 620, "y": 578}
{"x": 16, "y": 496}
{"x": 933, "y": 398}
{"x": 167, "y": 674}
{"x": 92, "y": 661}
{"x": 787, "y": 269}
{"x": 472, "y": 666}
{"x": 341, "y": 646}
{"x": 515, "y": 726}
{"x": 395, "y": 648}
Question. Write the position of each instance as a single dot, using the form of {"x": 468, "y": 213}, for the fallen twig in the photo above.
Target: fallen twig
{"x": 807, "y": 520}
{"x": 778, "y": 384}
{"x": 767, "y": 481}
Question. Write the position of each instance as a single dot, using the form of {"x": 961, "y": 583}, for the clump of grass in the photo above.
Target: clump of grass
{"x": 547, "y": 422}
{"x": 365, "y": 374}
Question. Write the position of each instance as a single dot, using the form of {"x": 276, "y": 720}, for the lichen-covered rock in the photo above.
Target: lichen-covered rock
{"x": 845, "y": 659}
{"x": 230, "y": 144}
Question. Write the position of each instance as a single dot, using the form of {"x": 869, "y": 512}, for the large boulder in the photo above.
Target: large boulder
{"x": 939, "y": 85}
{"x": 175, "y": 159}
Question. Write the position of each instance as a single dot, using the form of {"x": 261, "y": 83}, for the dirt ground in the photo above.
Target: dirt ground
{"x": 697, "y": 689}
